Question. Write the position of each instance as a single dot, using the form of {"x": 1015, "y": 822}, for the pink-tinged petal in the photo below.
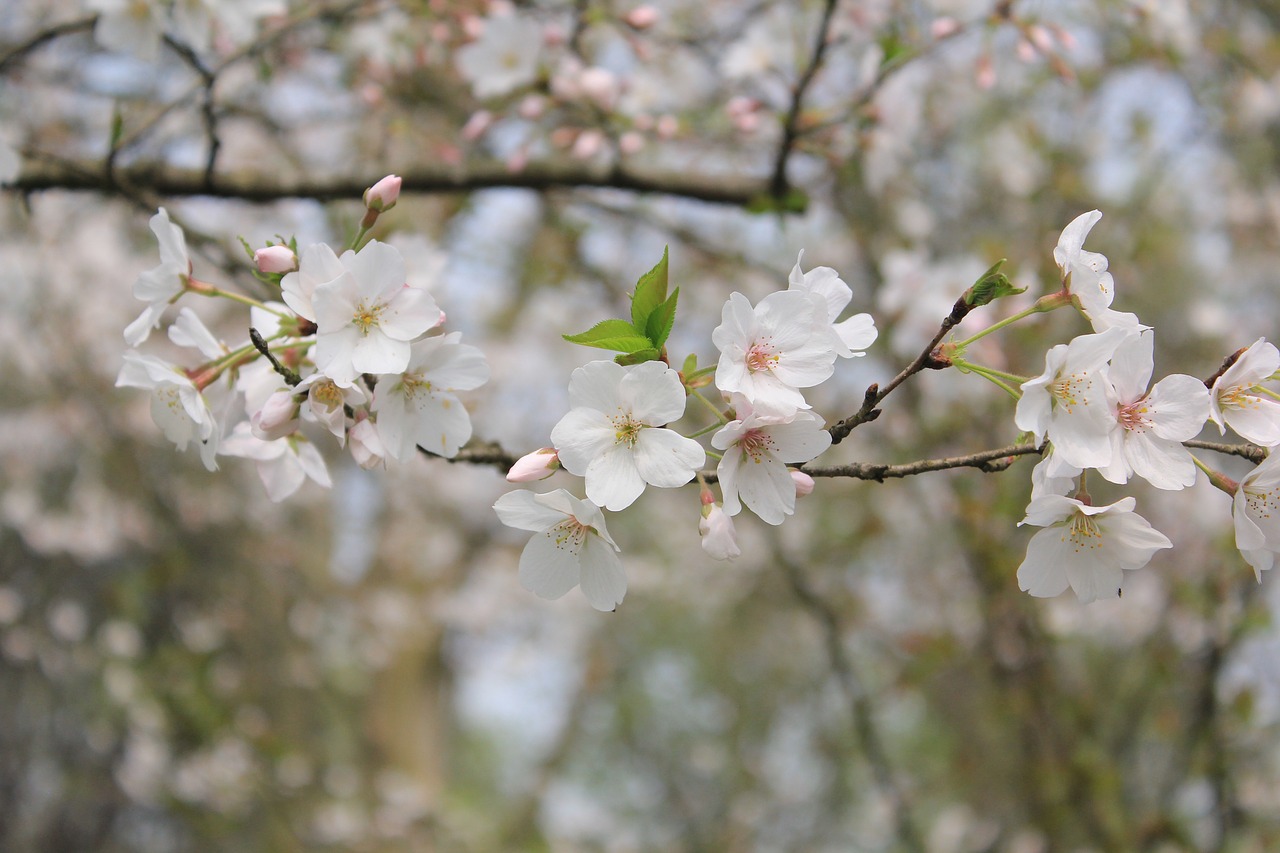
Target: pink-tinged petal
{"x": 801, "y": 440}
{"x": 549, "y": 564}
{"x": 1178, "y": 406}
{"x": 602, "y": 580}
{"x": 312, "y": 464}
{"x": 581, "y": 436}
{"x": 1164, "y": 464}
{"x": 1257, "y": 419}
{"x": 1048, "y": 510}
{"x": 1043, "y": 571}
{"x": 857, "y": 333}
{"x": 727, "y": 472}
{"x": 595, "y": 386}
{"x": 1130, "y": 540}
{"x": 521, "y": 509}
{"x": 1090, "y": 577}
{"x": 806, "y": 366}
{"x": 613, "y": 481}
{"x": 409, "y": 313}
{"x": 281, "y": 476}
{"x": 790, "y": 318}
{"x": 652, "y": 393}
{"x": 667, "y": 459}
{"x": 737, "y": 324}
{"x": 378, "y": 267}
{"x": 1131, "y": 367}
{"x": 1073, "y": 237}
{"x": 376, "y": 353}
{"x": 334, "y": 303}
{"x": 768, "y": 490}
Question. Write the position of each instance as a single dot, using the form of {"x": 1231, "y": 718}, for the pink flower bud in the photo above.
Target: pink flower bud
{"x": 1025, "y": 51}
{"x": 382, "y": 196}
{"x": 588, "y": 144}
{"x": 667, "y": 126}
{"x": 275, "y": 259}
{"x": 600, "y": 85}
{"x": 365, "y": 444}
{"x": 277, "y": 418}
{"x": 475, "y": 127}
{"x": 641, "y": 17}
{"x": 538, "y": 465}
{"x": 984, "y": 72}
{"x": 532, "y": 107}
{"x": 719, "y": 539}
{"x": 804, "y": 483}
{"x": 630, "y": 142}
{"x": 943, "y": 27}
{"x": 1040, "y": 37}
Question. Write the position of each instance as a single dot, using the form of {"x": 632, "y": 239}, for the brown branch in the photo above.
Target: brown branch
{"x": 926, "y": 359}
{"x": 791, "y": 125}
{"x": 51, "y": 174}
{"x": 1251, "y": 452}
{"x": 482, "y": 453}
{"x": 44, "y": 36}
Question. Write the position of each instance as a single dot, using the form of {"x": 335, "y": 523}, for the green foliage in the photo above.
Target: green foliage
{"x": 990, "y": 286}
{"x": 653, "y": 314}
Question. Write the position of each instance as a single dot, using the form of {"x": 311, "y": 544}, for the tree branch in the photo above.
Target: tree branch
{"x": 791, "y": 125}
{"x": 84, "y": 175}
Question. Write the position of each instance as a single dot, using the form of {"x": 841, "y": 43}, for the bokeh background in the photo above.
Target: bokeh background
{"x": 186, "y": 666}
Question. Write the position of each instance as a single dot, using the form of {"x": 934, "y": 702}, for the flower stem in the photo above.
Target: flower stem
{"x": 206, "y": 289}
{"x": 720, "y": 418}
{"x": 996, "y": 377}
{"x": 1219, "y": 480}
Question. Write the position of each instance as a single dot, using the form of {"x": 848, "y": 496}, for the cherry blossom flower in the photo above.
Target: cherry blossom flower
{"x": 1088, "y": 548}
{"x": 367, "y": 316}
{"x": 1052, "y": 476}
{"x": 538, "y": 465}
{"x": 327, "y": 402}
{"x": 419, "y": 407}
{"x": 856, "y": 333}
{"x": 1234, "y": 404}
{"x": 1069, "y": 402}
{"x": 1153, "y": 425}
{"x": 160, "y": 285}
{"x": 769, "y": 351}
{"x": 571, "y": 547}
{"x": 283, "y": 464}
{"x": 365, "y": 444}
{"x": 317, "y": 265}
{"x": 177, "y": 406}
{"x": 757, "y": 448}
{"x": 503, "y": 59}
{"x": 718, "y": 536}
{"x": 612, "y": 434}
{"x": 1256, "y": 512}
{"x": 277, "y": 418}
{"x": 1085, "y": 275}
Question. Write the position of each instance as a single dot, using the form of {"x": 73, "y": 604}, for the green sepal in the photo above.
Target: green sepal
{"x": 650, "y": 293}
{"x": 990, "y": 286}
{"x": 639, "y": 356}
{"x": 612, "y": 334}
{"x": 690, "y": 364}
{"x": 661, "y": 319}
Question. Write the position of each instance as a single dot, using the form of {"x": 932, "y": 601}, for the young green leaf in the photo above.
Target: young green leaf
{"x": 651, "y": 291}
{"x": 612, "y": 334}
{"x": 662, "y": 319}
{"x": 639, "y": 356}
{"x": 991, "y": 286}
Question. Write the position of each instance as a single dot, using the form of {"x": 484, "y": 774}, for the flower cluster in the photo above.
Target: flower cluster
{"x": 352, "y": 349}
{"x": 1096, "y": 409}
{"x": 616, "y": 434}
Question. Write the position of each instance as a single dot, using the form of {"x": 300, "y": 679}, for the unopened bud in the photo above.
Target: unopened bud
{"x": 804, "y": 483}
{"x": 277, "y": 418}
{"x": 382, "y": 196}
{"x": 641, "y": 17}
{"x": 365, "y": 444}
{"x": 719, "y": 539}
{"x": 275, "y": 259}
{"x": 538, "y": 465}
{"x": 943, "y": 27}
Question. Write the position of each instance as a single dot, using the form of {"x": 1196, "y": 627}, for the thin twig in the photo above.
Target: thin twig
{"x": 791, "y": 125}
{"x": 1251, "y": 452}
{"x": 260, "y": 344}
{"x": 44, "y": 36}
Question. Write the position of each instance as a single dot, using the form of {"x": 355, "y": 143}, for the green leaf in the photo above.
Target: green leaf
{"x": 639, "y": 356}
{"x": 612, "y": 334}
{"x": 661, "y": 320}
{"x": 991, "y": 286}
{"x": 690, "y": 364}
{"x": 651, "y": 291}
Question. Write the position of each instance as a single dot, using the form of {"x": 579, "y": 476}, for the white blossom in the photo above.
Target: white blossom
{"x": 1088, "y": 548}
{"x": 857, "y": 332}
{"x": 160, "y": 285}
{"x": 504, "y": 58}
{"x": 571, "y": 547}
{"x": 1234, "y": 402}
{"x": 1153, "y": 424}
{"x": 757, "y": 449}
{"x": 283, "y": 464}
{"x": 613, "y": 433}
{"x": 1085, "y": 275}
{"x": 770, "y": 351}
{"x": 177, "y": 406}
{"x": 1256, "y": 512}
{"x": 717, "y": 534}
{"x": 419, "y": 407}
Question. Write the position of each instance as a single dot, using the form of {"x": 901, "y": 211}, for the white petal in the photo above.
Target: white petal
{"x": 613, "y": 481}
{"x": 549, "y": 566}
{"x": 652, "y": 393}
{"x": 580, "y": 436}
{"x": 595, "y": 386}
{"x": 1043, "y": 571}
{"x": 520, "y": 509}
{"x": 602, "y": 579}
{"x": 667, "y": 459}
